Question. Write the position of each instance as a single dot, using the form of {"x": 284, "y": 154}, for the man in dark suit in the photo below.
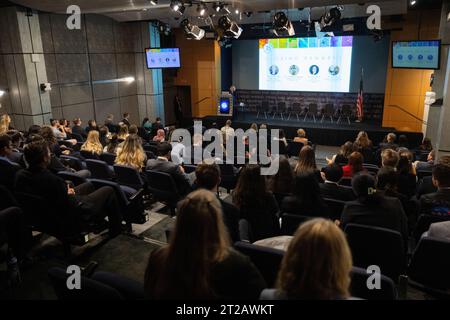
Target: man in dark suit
{"x": 72, "y": 205}
{"x": 330, "y": 189}
{"x": 157, "y": 125}
{"x": 163, "y": 164}
{"x": 208, "y": 177}
{"x": 77, "y": 129}
{"x": 438, "y": 203}
{"x": 389, "y": 142}
{"x": 8, "y": 169}
{"x": 126, "y": 120}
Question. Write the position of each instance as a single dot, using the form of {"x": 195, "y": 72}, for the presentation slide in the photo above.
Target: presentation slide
{"x": 305, "y": 64}
{"x": 416, "y": 54}
{"x": 163, "y": 58}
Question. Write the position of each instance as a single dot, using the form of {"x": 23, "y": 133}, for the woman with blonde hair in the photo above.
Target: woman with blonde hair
{"x": 316, "y": 265}
{"x": 123, "y": 133}
{"x": 306, "y": 163}
{"x": 362, "y": 141}
{"x": 198, "y": 262}
{"x": 131, "y": 154}
{"x": 92, "y": 143}
{"x": 5, "y": 121}
{"x": 301, "y": 137}
{"x": 160, "y": 136}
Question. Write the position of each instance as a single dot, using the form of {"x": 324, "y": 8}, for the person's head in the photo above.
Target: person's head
{"x": 123, "y": 132}
{"x": 301, "y": 133}
{"x": 5, "y": 121}
{"x": 47, "y": 133}
{"x": 76, "y": 122}
{"x": 362, "y": 140}
{"x": 306, "y": 160}
{"x": 103, "y": 131}
{"x": 164, "y": 149}
{"x": 251, "y": 187}
{"x": 92, "y": 123}
{"x": 113, "y": 142}
{"x": 5, "y": 145}
{"x": 262, "y": 126}
{"x": 110, "y": 117}
{"x": 403, "y": 141}
{"x": 391, "y": 137}
{"x": 431, "y": 156}
{"x": 389, "y": 158}
{"x": 33, "y": 129}
{"x": 333, "y": 172}
{"x": 161, "y": 133}
{"x": 37, "y": 154}
{"x": 158, "y": 120}
{"x": 126, "y": 115}
{"x": 356, "y": 161}
{"x": 197, "y": 243}
{"x": 283, "y": 180}
{"x": 254, "y": 126}
{"x": 54, "y": 123}
{"x": 364, "y": 187}
{"x": 317, "y": 263}
{"x": 92, "y": 143}
{"x": 16, "y": 138}
{"x": 347, "y": 149}
{"x": 441, "y": 173}
{"x": 281, "y": 133}
{"x": 228, "y": 123}
{"x": 131, "y": 154}
{"x": 208, "y": 176}
{"x": 197, "y": 139}
{"x": 63, "y": 122}
{"x": 146, "y": 119}
{"x": 387, "y": 179}
{"x": 133, "y": 129}
{"x": 426, "y": 144}
{"x": 405, "y": 162}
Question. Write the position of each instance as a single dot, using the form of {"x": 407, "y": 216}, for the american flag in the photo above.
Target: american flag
{"x": 360, "y": 101}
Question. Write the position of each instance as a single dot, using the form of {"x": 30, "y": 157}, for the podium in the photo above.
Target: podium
{"x": 225, "y": 107}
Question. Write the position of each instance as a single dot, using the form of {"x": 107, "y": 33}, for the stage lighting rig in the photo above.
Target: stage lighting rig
{"x": 330, "y": 18}
{"x": 282, "y": 26}
{"x": 230, "y": 28}
{"x": 192, "y": 31}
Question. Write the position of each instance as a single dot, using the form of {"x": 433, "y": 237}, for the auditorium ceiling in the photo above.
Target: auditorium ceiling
{"x": 260, "y": 10}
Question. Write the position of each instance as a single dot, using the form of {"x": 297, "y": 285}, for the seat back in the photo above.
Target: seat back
{"x": 73, "y": 162}
{"x": 424, "y": 222}
{"x": 294, "y": 148}
{"x": 265, "y": 105}
{"x": 312, "y": 108}
{"x": 346, "y": 110}
{"x": 423, "y": 173}
{"x": 359, "y": 289}
{"x": 370, "y": 167}
{"x": 89, "y": 155}
{"x": 281, "y": 106}
{"x": 76, "y": 136}
{"x": 267, "y": 260}
{"x": 329, "y": 109}
{"x": 99, "y": 169}
{"x": 345, "y": 181}
{"x": 430, "y": 265}
{"x": 162, "y": 185}
{"x": 128, "y": 176}
{"x": 72, "y": 177}
{"x": 336, "y": 207}
{"x": 90, "y": 289}
{"x": 291, "y": 222}
{"x": 109, "y": 158}
{"x": 377, "y": 246}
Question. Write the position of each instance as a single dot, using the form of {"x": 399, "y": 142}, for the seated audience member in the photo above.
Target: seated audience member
{"x": 281, "y": 138}
{"x": 428, "y": 165}
{"x": 92, "y": 143}
{"x": 254, "y": 126}
{"x": 157, "y": 125}
{"x": 390, "y": 158}
{"x": 199, "y": 262}
{"x": 8, "y": 168}
{"x": 163, "y": 164}
{"x": 208, "y": 177}
{"x": 306, "y": 163}
{"x": 103, "y": 135}
{"x": 407, "y": 179}
{"x": 354, "y": 166}
{"x": 316, "y": 265}
{"x": 126, "y": 120}
{"x": 147, "y": 125}
{"x": 132, "y": 154}
{"x": 112, "y": 144}
{"x": 306, "y": 199}
{"x": 178, "y": 151}
{"x": 109, "y": 122}
{"x": 387, "y": 184}
{"x": 47, "y": 133}
{"x": 374, "y": 209}
{"x": 283, "y": 181}
{"x": 74, "y": 205}
{"x": 331, "y": 189}
{"x": 227, "y": 131}
{"x": 426, "y": 145}
{"x": 160, "y": 136}
{"x": 439, "y": 230}
{"x": 58, "y": 132}
{"x": 364, "y": 146}
{"x": 5, "y": 123}
{"x": 64, "y": 126}
{"x": 389, "y": 142}
{"x": 77, "y": 129}
{"x": 403, "y": 141}
{"x": 133, "y": 129}
{"x": 33, "y": 129}
{"x": 258, "y": 206}
{"x": 301, "y": 137}
{"x": 123, "y": 133}
{"x": 344, "y": 153}
{"x": 16, "y": 143}
{"x": 438, "y": 203}
{"x": 92, "y": 125}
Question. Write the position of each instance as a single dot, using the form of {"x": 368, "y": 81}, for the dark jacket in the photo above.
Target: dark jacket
{"x": 8, "y": 170}
{"x": 181, "y": 179}
{"x": 231, "y": 219}
{"x": 79, "y": 130}
{"x": 337, "y": 192}
{"x": 425, "y": 186}
{"x": 386, "y": 213}
{"x": 407, "y": 184}
{"x": 437, "y": 203}
{"x": 305, "y": 207}
{"x": 126, "y": 122}
{"x": 233, "y": 278}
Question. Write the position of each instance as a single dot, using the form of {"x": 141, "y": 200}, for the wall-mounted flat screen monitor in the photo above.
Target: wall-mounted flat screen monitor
{"x": 416, "y": 54}
{"x": 163, "y": 58}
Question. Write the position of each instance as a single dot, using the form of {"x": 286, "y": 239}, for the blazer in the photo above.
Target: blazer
{"x": 295, "y": 205}
{"x": 425, "y": 186}
{"x": 337, "y": 192}
{"x": 181, "y": 179}
{"x": 437, "y": 203}
{"x": 388, "y": 213}
{"x": 440, "y": 230}
{"x": 8, "y": 170}
{"x": 231, "y": 219}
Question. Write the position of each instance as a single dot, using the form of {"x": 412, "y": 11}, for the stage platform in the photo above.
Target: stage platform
{"x": 323, "y": 133}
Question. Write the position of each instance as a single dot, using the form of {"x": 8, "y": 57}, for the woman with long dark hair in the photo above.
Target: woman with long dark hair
{"x": 199, "y": 262}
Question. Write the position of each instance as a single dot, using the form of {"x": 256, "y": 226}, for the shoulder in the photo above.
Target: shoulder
{"x": 272, "y": 294}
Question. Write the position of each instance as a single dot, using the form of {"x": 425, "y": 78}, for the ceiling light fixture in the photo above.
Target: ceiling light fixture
{"x": 230, "y": 28}
{"x": 192, "y": 31}
{"x": 282, "y": 26}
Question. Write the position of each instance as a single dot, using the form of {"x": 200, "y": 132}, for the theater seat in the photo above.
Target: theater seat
{"x": 359, "y": 289}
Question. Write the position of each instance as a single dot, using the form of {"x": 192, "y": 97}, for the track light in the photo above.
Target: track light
{"x": 153, "y": 2}
{"x": 412, "y": 2}
{"x": 192, "y": 31}
{"x": 282, "y": 26}
{"x": 230, "y": 28}
{"x": 201, "y": 9}
{"x": 175, "y": 5}
{"x": 217, "y": 6}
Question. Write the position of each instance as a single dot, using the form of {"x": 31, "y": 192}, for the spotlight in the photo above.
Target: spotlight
{"x": 226, "y": 9}
{"x": 175, "y": 5}
{"x": 248, "y": 14}
{"x": 412, "y": 2}
{"x": 217, "y": 6}
{"x": 230, "y": 28}
{"x": 192, "y": 31}
{"x": 2, "y": 92}
{"x": 282, "y": 26}
{"x": 201, "y": 9}
{"x": 236, "y": 11}
{"x": 331, "y": 17}
{"x": 154, "y": 2}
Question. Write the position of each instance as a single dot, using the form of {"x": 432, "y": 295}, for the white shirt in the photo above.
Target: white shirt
{"x": 227, "y": 132}
{"x": 178, "y": 152}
